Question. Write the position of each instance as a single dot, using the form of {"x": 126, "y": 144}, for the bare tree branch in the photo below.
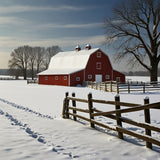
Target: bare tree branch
{"x": 138, "y": 24}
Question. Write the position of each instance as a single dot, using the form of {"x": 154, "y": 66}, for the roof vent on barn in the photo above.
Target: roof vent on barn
{"x": 78, "y": 48}
{"x": 88, "y": 47}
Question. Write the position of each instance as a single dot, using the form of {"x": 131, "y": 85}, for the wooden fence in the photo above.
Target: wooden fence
{"x": 132, "y": 86}
{"x": 108, "y": 86}
{"x": 71, "y": 110}
{"x": 32, "y": 81}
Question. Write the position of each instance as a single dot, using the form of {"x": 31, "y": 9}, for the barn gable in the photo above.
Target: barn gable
{"x": 68, "y": 62}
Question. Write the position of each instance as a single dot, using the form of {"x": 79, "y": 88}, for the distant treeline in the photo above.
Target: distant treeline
{"x": 17, "y": 73}
{"x": 4, "y": 71}
{"x": 139, "y": 73}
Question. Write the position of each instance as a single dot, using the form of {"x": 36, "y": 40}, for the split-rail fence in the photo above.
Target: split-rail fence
{"x": 131, "y": 86}
{"x": 70, "y": 110}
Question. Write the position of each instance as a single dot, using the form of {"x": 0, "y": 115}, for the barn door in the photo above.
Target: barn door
{"x": 98, "y": 78}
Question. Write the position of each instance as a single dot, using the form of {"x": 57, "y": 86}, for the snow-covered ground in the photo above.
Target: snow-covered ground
{"x": 32, "y": 127}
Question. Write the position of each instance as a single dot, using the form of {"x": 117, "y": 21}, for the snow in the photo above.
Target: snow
{"x": 59, "y": 71}
{"x": 32, "y": 127}
{"x": 69, "y": 62}
{"x": 140, "y": 78}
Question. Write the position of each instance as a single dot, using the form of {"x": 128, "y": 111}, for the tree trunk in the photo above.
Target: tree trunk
{"x": 24, "y": 74}
{"x": 154, "y": 71}
{"x": 32, "y": 70}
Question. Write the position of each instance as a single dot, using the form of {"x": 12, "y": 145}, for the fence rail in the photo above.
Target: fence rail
{"x": 32, "y": 81}
{"x": 71, "y": 110}
{"x": 131, "y": 86}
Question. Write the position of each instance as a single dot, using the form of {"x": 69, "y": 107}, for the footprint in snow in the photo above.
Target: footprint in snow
{"x": 41, "y": 139}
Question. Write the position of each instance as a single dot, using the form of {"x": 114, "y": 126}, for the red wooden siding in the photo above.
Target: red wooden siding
{"x": 74, "y": 76}
{"x": 117, "y": 76}
{"x": 52, "y": 80}
{"x": 98, "y": 63}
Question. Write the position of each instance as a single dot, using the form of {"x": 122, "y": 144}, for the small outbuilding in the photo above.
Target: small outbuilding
{"x": 76, "y": 67}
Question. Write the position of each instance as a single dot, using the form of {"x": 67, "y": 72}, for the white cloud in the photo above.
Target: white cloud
{"x": 13, "y": 42}
{"x": 54, "y": 25}
{"x": 13, "y": 20}
{"x": 31, "y": 24}
{"x": 27, "y": 8}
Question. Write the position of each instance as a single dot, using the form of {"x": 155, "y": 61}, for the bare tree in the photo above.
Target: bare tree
{"x": 50, "y": 52}
{"x": 135, "y": 30}
{"x": 32, "y": 61}
{"x": 40, "y": 52}
{"x": 19, "y": 59}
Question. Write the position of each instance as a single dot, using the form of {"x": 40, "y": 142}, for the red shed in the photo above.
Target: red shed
{"x": 76, "y": 67}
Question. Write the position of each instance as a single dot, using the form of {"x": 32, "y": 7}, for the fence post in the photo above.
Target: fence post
{"x": 147, "y": 120}
{"x": 74, "y": 105}
{"x": 67, "y": 104}
{"x": 111, "y": 86}
{"x": 128, "y": 88}
{"x": 144, "y": 87}
{"x": 105, "y": 83}
{"x": 65, "y": 107}
{"x": 96, "y": 85}
{"x": 117, "y": 87}
{"x": 90, "y": 107}
{"x": 118, "y": 115}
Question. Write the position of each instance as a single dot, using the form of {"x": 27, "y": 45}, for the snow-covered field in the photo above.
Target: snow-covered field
{"x": 32, "y": 127}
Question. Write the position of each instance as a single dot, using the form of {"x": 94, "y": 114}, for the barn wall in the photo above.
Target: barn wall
{"x": 106, "y": 68}
{"x": 51, "y": 80}
{"x": 117, "y": 76}
{"x": 73, "y": 80}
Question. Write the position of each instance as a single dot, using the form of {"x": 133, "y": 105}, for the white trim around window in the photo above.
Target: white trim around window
{"x": 65, "y": 77}
{"x": 98, "y": 65}
{"x": 107, "y": 76}
{"x": 77, "y": 78}
{"x": 89, "y": 76}
{"x": 98, "y": 54}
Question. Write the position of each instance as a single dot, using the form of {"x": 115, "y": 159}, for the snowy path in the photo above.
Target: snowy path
{"x": 37, "y": 136}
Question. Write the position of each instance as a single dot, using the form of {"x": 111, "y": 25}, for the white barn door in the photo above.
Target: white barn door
{"x": 98, "y": 78}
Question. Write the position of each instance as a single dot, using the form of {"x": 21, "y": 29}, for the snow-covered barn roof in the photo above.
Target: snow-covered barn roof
{"x": 68, "y": 62}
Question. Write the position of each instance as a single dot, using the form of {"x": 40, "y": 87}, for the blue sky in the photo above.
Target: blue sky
{"x": 52, "y": 22}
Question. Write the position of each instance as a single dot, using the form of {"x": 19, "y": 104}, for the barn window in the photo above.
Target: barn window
{"x": 98, "y": 65}
{"x": 107, "y": 76}
{"x": 77, "y": 78}
{"x": 56, "y": 77}
{"x": 46, "y": 77}
{"x": 65, "y": 77}
{"x": 98, "y": 54}
{"x": 89, "y": 76}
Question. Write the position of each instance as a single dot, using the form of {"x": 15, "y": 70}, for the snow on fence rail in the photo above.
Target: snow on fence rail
{"x": 114, "y": 114}
{"x": 131, "y": 86}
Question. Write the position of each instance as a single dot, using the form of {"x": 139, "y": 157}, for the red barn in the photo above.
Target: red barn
{"x": 76, "y": 67}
